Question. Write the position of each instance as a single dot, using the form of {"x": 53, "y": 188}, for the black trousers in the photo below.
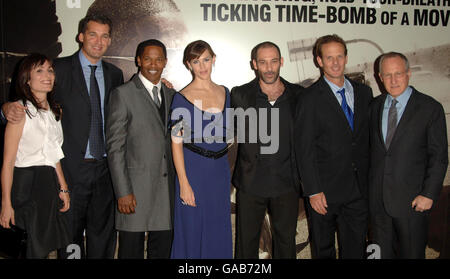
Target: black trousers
{"x": 92, "y": 212}
{"x": 404, "y": 238}
{"x": 349, "y": 219}
{"x": 251, "y": 210}
{"x": 131, "y": 244}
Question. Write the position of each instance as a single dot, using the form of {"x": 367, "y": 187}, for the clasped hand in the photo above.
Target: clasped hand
{"x": 187, "y": 195}
{"x": 7, "y": 217}
{"x": 319, "y": 203}
{"x": 127, "y": 204}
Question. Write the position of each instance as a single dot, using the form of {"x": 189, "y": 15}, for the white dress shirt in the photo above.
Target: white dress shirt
{"x": 41, "y": 140}
{"x": 149, "y": 86}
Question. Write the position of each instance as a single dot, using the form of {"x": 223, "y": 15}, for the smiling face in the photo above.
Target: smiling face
{"x": 268, "y": 63}
{"x": 394, "y": 75}
{"x": 95, "y": 41}
{"x": 201, "y": 67}
{"x": 151, "y": 63}
{"x": 333, "y": 62}
{"x": 42, "y": 78}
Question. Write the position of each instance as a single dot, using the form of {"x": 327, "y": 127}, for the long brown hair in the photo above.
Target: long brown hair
{"x": 23, "y": 90}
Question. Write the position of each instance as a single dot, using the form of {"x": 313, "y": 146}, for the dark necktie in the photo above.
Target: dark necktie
{"x": 392, "y": 123}
{"x": 96, "y": 142}
{"x": 155, "y": 96}
{"x": 345, "y": 107}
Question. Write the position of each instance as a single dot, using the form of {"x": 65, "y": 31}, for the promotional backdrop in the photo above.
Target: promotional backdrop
{"x": 417, "y": 28}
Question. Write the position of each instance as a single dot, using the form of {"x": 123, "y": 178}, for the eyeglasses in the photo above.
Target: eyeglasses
{"x": 396, "y": 75}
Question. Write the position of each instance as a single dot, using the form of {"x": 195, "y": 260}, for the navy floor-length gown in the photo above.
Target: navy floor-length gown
{"x": 204, "y": 231}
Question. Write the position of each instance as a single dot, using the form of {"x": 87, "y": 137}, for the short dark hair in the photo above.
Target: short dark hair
{"x": 152, "y": 42}
{"x": 325, "y": 40}
{"x": 23, "y": 90}
{"x": 194, "y": 50}
{"x": 393, "y": 54}
{"x": 99, "y": 18}
{"x": 264, "y": 45}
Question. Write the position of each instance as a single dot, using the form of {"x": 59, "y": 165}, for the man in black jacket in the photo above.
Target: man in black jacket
{"x": 408, "y": 161}
{"x": 265, "y": 171}
{"x": 332, "y": 145}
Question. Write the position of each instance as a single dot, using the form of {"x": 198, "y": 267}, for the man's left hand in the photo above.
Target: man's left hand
{"x": 421, "y": 203}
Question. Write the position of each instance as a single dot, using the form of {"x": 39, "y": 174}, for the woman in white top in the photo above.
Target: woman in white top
{"x": 34, "y": 191}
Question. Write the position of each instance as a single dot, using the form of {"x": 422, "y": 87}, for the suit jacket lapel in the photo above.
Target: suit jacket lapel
{"x": 357, "y": 102}
{"x": 379, "y": 113}
{"x": 407, "y": 115}
{"x": 250, "y": 96}
{"x": 107, "y": 78}
{"x": 291, "y": 94}
{"x": 332, "y": 100}
{"x": 167, "y": 95}
{"x": 146, "y": 95}
{"x": 78, "y": 77}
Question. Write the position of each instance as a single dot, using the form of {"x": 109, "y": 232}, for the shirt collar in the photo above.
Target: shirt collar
{"x": 85, "y": 62}
{"x": 285, "y": 92}
{"x": 336, "y": 88}
{"x": 402, "y": 98}
{"x": 148, "y": 84}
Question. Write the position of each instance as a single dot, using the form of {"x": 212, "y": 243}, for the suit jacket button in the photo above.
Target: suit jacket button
{"x": 165, "y": 174}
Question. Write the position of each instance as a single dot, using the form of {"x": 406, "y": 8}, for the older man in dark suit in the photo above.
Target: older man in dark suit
{"x": 332, "y": 145}
{"x": 408, "y": 161}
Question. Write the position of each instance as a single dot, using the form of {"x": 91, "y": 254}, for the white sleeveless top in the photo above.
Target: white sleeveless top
{"x": 41, "y": 141}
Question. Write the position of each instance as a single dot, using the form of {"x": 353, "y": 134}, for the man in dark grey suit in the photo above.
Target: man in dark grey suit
{"x": 408, "y": 161}
{"x": 140, "y": 158}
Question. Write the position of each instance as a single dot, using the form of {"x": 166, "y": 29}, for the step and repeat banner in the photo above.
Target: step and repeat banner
{"x": 417, "y": 28}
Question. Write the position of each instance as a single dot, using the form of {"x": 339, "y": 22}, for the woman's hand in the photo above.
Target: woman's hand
{"x": 65, "y": 197}
{"x": 7, "y": 216}
{"x": 187, "y": 195}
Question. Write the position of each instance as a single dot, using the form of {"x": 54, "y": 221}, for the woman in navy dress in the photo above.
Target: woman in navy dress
{"x": 202, "y": 216}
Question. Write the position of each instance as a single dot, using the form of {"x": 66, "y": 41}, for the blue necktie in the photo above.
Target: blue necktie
{"x": 96, "y": 141}
{"x": 346, "y": 108}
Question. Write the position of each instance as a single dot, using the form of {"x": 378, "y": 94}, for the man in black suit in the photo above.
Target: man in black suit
{"x": 84, "y": 82}
{"x": 265, "y": 173}
{"x": 85, "y": 163}
{"x": 332, "y": 148}
{"x": 408, "y": 161}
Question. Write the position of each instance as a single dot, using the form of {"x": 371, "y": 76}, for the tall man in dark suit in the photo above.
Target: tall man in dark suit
{"x": 84, "y": 83}
{"x": 408, "y": 161}
{"x": 332, "y": 146}
{"x": 264, "y": 176}
{"x": 140, "y": 158}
